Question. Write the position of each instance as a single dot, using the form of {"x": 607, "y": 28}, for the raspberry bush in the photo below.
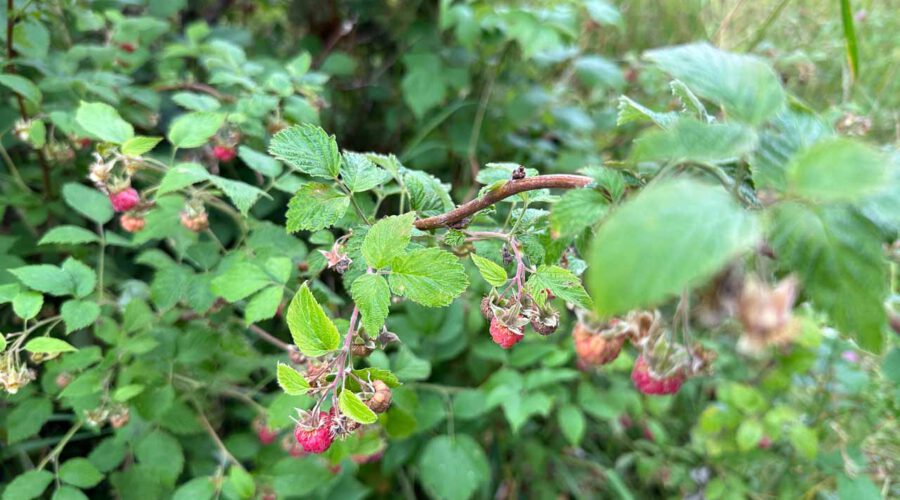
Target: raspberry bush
{"x": 452, "y": 250}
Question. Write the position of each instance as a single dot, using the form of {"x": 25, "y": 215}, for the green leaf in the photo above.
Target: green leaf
{"x": 668, "y": 237}
{"x": 196, "y": 102}
{"x": 68, "y": 235}
{"x": 27, "y": 304}
{"x": 372, "y": 296}
{"x": 26, "y": 418}
{"x": 241, "y": 481}
{"x": 838, "y": 256}
{"x": 45, "y": 278}
{"x": 161, "y": 454}
{"x": 23, "y": 87}
{"x": 28, "y": 485}
{"x": 804, "y": 440}
{"x": 561, "y": 282}
{"x": 837, "y": 169}
{"x": 127, "y": 392}
{"x": 354, "y": 408}
{"x": 360, "y": 174}
{"x": 632, "y": 111}
{"x": 313, "y": 332}
{"x": 572, "y": 423}
{"x": 199, "y": 488}
{"x": 243, "y": 195}
{"x": 746, "y": 86}
{"x": 491, "y": 272}
{"x": 80, "y": 472}
{"x": 78, "y": 314}
{"x": 315, "y": 206}
{"x": 291, "y": 381}
{"x": 429, "y": 276}
{"x": 748, "y": 435}
{"x": 241, "y": 280}
{"x": 136, "y": 146}
{"x": 37, "y": 133}
{"x": 68, "y": 493}
{"x": 789, "y": 132}
{"x": 689, "y": 140}
{"x": 83, "y": 278}
{"x": 3, "y": 343}
{"x": 308, "y": 149}
{"x": 577, "y": 210}
{"x": 195, "y": 129}
{"x": 260, "y": 162}
{"x": 453, "y": 468}
{"x": 857, "y": 488}
{"x": 181, "y": 176}
{"x": 48, "y": 345}
{"x": 103, "y": 122}
{"x": 88, "y": 202}
{"x": 263, "y": 305}
{"x": 409, "y": 367}
{"x": 387, "y": 239}
{"x": 423, "y": 87}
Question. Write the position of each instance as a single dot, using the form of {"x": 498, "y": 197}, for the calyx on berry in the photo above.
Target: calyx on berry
{"x": 544, "y": 319}
{"x": 315, "y": 433}
{"x": 506, "y": 324}
{"x": 765, "y": 313}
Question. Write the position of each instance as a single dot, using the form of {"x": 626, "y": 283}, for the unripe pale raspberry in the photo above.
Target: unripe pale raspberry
{"x": 224, "y": 153}
{"x": 593, "y": 348}
{"x": 124, "y": 200}
{"x": 381, "y": 400}
{"x": 648, "y": 384}
{"x": 132, "y": 223}
{"x": 316, "y": 439}
{"x": 263, "y": 432}
{"x": 502, "y": 335}
{"x": 196, "y": 223}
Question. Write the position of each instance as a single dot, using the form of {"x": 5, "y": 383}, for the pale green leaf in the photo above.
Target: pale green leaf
{"x": 453, "y": 468}
{"x": 670, "y": 236}
{"x": 354, "y": 408}
{"x": 88, "y": 202}
{"x": 429, "y": 276}
{"x": 103, "y": 122}
{"x": 240, "y": 281}
{"x": 749, "y": 434}
{"x": 196, "y": 102}
{"x": 372, "y": 296}
{"x": 490, "y": 271}
{"x": 139, "y": 145}
{"x": 804, "y": 440}
{"x": 837, "y": 170}
{"x": 263, "y": 305}
{"x": 313, "y": 332}
{"x": 243, "y": 195}
{"x": 48, "y": 345}
{"x": 315, "y": 206}
{"x": 127, "y": 392}
{"x": 689, "y": 140}
{"x": 195, "y": 129}
{"x": 387, "y": 239}
{"x": 181, "y": 176}
{"x": 577, "y": 210}
{"x": 308, "y": 149}
{"x": 561, "y": 282}
{"x": 360, "y": 174}
{"x": 291, "y": 381}
{"x": 68, "y": 235}
{"x": 199, "y": 488}
{"x": 632, "y": 111}
{"x": 241, "y": 481}
{"x": 260, "y": 162}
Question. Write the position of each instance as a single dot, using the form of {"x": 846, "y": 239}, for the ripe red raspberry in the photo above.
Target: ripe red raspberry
{"x": 132, "y": 223}
{"x": 265, "y": 434}
{"x": 315, "y": 439}
{"x": 765, "y": 443}
{"x": 502, "y": 335}
{"x": 224, "y": 153}
{"x": 124, "y": 200}
{"x": 127, "y": 47}
{"x": 648, "y": 384}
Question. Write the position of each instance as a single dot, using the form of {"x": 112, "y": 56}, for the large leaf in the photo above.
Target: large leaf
{"x": 308, "y": 149}
{"x": 372, "y": 296}
{"x": 240, "y": 281}
{"x": 838, "y": 255}
{"x": 68, "y": 235}
{"x": 837, "y": 170}
{"x": 746, "y": 86}
{"x": 315, "y": 206}
{"x": 23, "y": 87}
{"x": 452, "y": 468}
{"x": 387, "y": 239}
{"x": 313, "y": 332}
{"x": 670, "y": 236}
{"x": 195, "y": 129}
{"x": 45, "y": 278}
{"x": 103, "y": 122}
{"x": 689, "y": 140}
{"x": 88, "y": 202}
{"x": 788, "y": 133}
{"x": 430, "y": 276}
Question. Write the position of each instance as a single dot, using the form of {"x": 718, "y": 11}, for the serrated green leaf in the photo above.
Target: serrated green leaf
{"x": 263, "y": 305}
{"x": 354, "y": 408}
{"x": 491, "y": 272}
{"x": 82, "y": 277}
{"x": 139, "y": 145}
{"x": 577, "y": 210}
{"x": 360, "y": 174}
{"x": 387, "y": 239}
{"x": 78, "y": 314}
{"x": 291, "y": 381}
{"x": 561, "y": 282}
{"x": 670, "y": 236}
{"x": 80, "y": 472}
{"x": 372, "y": 296}
{"x": 68, "y": 235}
{"x": 45, "y": 278}
{"x": 308, "y": 149}
{"x": 837, "y": 169}
{"x": 26, "y": 418}
{"x": 241, "y": 481}
{"x": 48, "y": 345}
{"x": 181, "y": 176}
{"x": 22, "y": 86}
{"x": 27, "y": 304}
{"x": 260, "y": 162}
{"x": 789, "y": 132}
{"x": 632, "y": 111}
{"x": 28, "y": 485}
{"x": 241, "y": 194}
{"x": 240, "y": 281}
{"x": 429, "y": 276}
{"x": 315, "y": 206}
{"x": 88, "y": 202}
{"x": 162, "y": 455}
{"x": 195, "y": 129}
{"x": 103, "y": 122}
{"x": 313, "y": 332}
{"x": 689, "y": 140}
{"x": 746, "y": 86}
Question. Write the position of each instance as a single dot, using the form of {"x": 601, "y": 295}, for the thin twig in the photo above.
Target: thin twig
{"x": 59, "y": 447}
{"x": 268, "y": 337}
{"x": 215, "y": 437}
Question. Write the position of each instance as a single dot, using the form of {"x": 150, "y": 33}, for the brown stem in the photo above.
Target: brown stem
{"x": 11, "y": 69}
{"x": 512, "y": 187}
{"x": 268, "y": 337}
{"x": 199, "y": 87}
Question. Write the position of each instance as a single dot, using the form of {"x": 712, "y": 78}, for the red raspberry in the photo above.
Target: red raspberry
{"x": 648, "y": 384}
{"x": 132, "y": 223}
{"x": 127, "y": 47}
{"x": 502, "y": 335}
{"x": 124, "y": 200}
{"x": 316, "y": 439}
{"x": 765, "y": 443}
{"x": 224, "y": 153}
{"x": 265, "y": 434}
